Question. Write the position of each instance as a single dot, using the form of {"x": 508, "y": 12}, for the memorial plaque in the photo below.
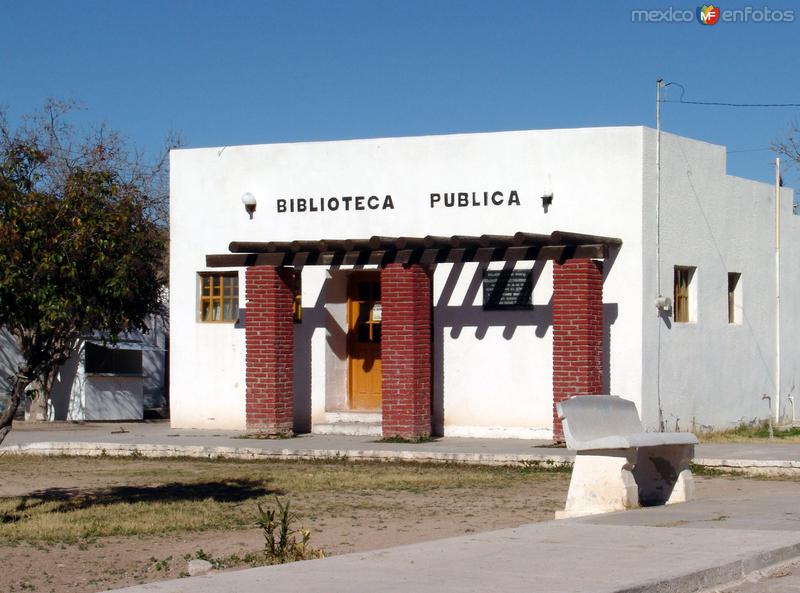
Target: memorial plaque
{"x": 507, "y": 290}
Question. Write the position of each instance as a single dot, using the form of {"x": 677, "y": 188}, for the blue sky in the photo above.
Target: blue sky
{"x": 240, "y": 72}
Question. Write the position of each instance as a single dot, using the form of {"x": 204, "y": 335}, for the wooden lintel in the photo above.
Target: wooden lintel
{"x": 247, "y": 246}
{"x": 565, "y": 252}
{"x": 527, "y": 239}
{"x": 565, "y": 238}
{"x": 432, "y": 241}
{"x": 297, "y": 246}
{"x": 356, "y": 244}
{"x": 383, "y": 257}
{"x": 410, "y": 243}
{"x": 497, "y": 241}
{"x": 332, "y": 245}
{"x": 465, "y": 241}
{"x": 239, "y": 260}
{"x": 381, "y": 243}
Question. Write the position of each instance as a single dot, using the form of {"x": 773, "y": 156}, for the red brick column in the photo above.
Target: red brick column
{"x": 406, "y": 351}
{"x": 577, "y": 332}
{"x": 269, "y": 333}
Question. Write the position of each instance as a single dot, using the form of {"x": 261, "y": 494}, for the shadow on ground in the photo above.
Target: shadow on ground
{"x": 72, "y": 499}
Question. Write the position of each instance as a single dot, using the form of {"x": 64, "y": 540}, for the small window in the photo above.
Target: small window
{"x": 219, "y": 297}
{"x": 734, "y": 297}
{"x": 112, "y": 361}
{"x": 297, "y": 306}
{"x": 684, "y": 297}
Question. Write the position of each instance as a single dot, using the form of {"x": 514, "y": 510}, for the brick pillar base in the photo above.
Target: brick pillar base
{"x": 577, "y": 332}
{"x": 406, "y": 351}
{"x": 269, "y": 333}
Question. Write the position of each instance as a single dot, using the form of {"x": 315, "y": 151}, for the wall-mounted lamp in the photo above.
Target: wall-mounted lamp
{"x": 663, "y": 303}
{"x": 249, "y": 201}
{"x": 547, "y": 194}
{"x": 547, "y": 200}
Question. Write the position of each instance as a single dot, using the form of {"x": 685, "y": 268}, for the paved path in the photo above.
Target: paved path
{"x": 681, "y": 548}
{"x": 158, "y": 439}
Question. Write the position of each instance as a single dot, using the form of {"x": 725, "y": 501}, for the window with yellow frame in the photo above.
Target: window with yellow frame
{"x": 684, "y": 305}
{"x": 219, "y": 297}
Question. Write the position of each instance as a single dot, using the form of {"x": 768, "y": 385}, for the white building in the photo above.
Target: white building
{"x": 100, "y": 381}
{"x": 374, "y": 352}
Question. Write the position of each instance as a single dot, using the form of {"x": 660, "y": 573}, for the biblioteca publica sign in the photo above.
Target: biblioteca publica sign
{"x": 374, "y": 202}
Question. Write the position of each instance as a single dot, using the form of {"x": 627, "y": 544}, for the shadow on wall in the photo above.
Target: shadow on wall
{"x": 450, "y": 316}
{"x": 314, "y": 317}
{"x": 455, "y": 317}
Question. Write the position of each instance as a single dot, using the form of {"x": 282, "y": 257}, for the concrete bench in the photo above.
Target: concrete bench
{"x": 618, "y": 465}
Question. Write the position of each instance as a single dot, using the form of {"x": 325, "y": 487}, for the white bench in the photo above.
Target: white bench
{"x": 618, "y": 465}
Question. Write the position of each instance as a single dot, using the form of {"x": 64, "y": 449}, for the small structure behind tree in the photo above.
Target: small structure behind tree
{"x": 82, "y": 243}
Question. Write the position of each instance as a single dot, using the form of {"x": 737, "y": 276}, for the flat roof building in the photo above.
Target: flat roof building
{"x": 462, "y": 284}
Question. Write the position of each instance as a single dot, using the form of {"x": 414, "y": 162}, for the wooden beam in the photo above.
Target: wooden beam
{"x": 356, "y": 244}
{"x": 296, "y": 246}
{"x": 565, "y": 252}
{"x": 377, "y": 242}
{"x": 521, "y": 239}
{"x": 247, "y": 246}
{"x": 497, "y": 241}
{"x": 432, "y": 241}
{"x": 410, "y": 242}
{"x": 279, "y": 246}
{"x": 332, "y": 245}
{"x": 239, "y": 260}
{"x": 407, "y": 256}
{"x": 465, "y": 241}
{"x": 565, "y": 238}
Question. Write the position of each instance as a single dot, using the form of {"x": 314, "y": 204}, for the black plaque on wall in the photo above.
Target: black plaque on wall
{"x": 505, "y": 290}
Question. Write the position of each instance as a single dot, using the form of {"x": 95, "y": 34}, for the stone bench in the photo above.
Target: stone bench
{"x": 618, "y": 465}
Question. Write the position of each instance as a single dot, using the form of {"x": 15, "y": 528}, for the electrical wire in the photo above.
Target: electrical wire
{"x": 720, "y": 103}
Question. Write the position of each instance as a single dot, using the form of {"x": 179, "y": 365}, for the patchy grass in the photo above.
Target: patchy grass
{"x": 148, "y": 497}
{"x": 751, "y": 432}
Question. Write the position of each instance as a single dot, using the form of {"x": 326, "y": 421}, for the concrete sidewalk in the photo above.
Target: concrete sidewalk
{"x": 680, "y": 548}
{"x": 157, "y": 439}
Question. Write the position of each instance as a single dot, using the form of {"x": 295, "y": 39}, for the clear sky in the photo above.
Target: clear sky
{"x": 240, "y": 72}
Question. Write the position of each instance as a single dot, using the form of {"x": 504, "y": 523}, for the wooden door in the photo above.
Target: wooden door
{"x": 364, "y": 340}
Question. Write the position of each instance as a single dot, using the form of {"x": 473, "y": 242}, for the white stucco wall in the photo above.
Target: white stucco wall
{"x": 493, "y": 370}
{"x": 9, "y": 362}
{"x": 712, "y": 373}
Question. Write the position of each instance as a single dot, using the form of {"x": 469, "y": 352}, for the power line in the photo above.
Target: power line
{"x": 720, "y": 103}
{"x": 723, "y": 104}
{"x": 765, "y": 149}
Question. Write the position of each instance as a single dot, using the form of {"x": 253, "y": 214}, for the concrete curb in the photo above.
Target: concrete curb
{"x": 718, "y": 576}
{"x": 80, "y": 449}
{"x": 750, "y": 467}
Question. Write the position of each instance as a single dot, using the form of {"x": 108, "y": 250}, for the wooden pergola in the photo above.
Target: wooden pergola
{"x": 378, "y": 250}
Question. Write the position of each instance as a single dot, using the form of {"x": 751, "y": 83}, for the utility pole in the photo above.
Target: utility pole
{"x": 659, "y": 84}
{"x": 777, "y": 290}
{"x": 659, "y": 297}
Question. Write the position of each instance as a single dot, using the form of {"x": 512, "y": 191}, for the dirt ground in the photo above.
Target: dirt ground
{"x": 341, "y": 519}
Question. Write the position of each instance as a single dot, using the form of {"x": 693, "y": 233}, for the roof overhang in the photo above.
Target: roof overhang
{"x": 378, "y": 250}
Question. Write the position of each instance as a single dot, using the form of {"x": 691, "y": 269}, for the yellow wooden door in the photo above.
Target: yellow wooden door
{"x": 364, "y": 340}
